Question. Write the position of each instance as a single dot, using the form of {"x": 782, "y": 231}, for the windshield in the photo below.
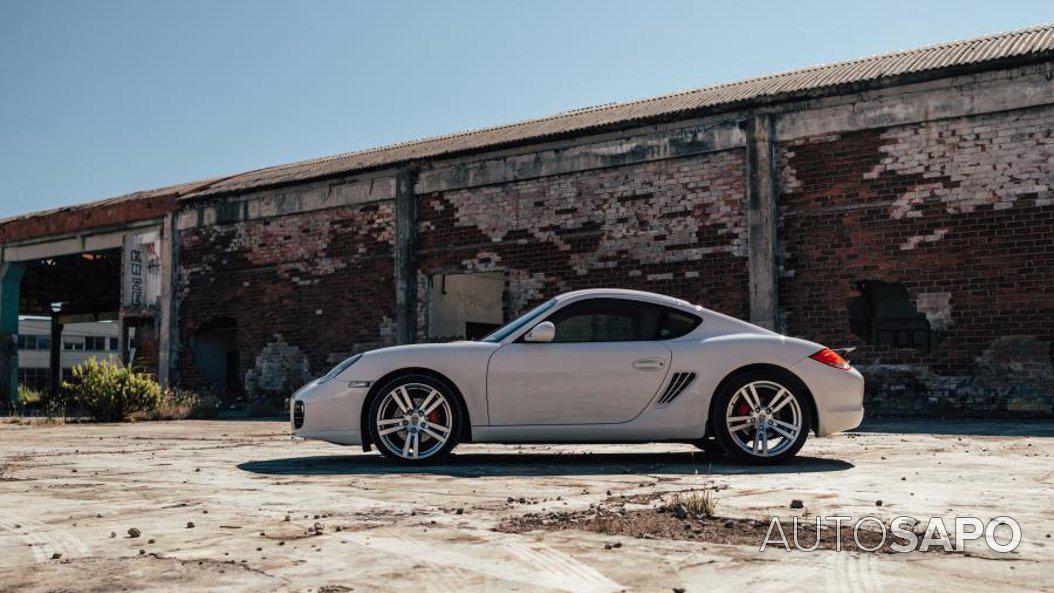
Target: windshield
{"x": 340, "y": 368}
{"x": 510, "y": 328}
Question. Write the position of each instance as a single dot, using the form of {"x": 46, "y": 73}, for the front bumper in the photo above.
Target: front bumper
{"x": 327, "y": 412}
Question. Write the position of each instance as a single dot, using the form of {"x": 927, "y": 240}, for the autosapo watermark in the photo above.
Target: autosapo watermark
{"x": 902, "y": 534}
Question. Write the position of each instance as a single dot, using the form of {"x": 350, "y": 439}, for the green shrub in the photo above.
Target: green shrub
{"x": 28, "y": 401}
{"x": 27, "y": 396}
{"x": 109, "y": 392}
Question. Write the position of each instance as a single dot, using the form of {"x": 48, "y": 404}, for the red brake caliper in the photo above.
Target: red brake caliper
{"x": 433, "y": 416}
{"x": 742, "y": 410}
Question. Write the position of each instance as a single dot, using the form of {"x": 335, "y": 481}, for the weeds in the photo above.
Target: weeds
{"x": 175, "y": 404}
{"x": 694, "y": 503}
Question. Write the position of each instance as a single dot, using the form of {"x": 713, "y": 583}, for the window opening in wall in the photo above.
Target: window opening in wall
{"x": 34, "y": 342}
{"x": 885, "y": 314}
{"x": 465, "y": 306}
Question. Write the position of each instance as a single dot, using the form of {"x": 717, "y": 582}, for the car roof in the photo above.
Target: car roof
{"x": 639, "y": 295}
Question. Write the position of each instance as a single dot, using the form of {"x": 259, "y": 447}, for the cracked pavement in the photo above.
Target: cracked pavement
{"x": 238, "y": 505}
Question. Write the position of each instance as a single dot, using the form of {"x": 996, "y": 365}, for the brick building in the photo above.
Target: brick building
{"x": 899, "y": 203}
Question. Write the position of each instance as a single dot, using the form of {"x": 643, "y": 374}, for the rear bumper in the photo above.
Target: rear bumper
{"x": 833, "y": 421}
{"x": 839, "y": 395}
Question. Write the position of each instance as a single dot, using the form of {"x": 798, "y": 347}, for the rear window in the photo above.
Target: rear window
{"x": 676, "y": 324}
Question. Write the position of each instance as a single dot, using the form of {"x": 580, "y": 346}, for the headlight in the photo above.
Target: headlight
{"x": 340, "y": 368}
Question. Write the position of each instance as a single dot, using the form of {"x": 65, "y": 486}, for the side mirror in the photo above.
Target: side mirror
{"x": 543, "y": 332}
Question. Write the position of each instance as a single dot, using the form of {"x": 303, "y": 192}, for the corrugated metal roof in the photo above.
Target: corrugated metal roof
{"x": 171, "y": 193}
{"x": 1034, "y": 42}
{"x": 1019, "y": 43}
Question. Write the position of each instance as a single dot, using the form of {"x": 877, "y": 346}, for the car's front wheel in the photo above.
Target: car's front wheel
{"x": 415, "y": 419}
{"x": 762, "y": 417}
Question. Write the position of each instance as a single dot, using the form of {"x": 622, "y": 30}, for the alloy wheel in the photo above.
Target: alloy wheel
{"x": 764, "y": 418}
{"x": 414, "y": 421}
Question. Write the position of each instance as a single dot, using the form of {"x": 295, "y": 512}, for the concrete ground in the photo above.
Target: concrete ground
{"x": 236, "y": 506}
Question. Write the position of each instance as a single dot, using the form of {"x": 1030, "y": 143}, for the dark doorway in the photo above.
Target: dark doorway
{"x": 215, "y": 348}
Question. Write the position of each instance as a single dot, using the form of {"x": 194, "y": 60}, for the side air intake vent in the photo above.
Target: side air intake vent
{"x": 298, "y": 414}
{"x": 678, "y": 383}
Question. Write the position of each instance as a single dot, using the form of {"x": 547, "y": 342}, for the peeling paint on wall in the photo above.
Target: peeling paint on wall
{"x": 322, "y": 279}
{"x": 972, "y": 162}
{"x": 279, "y": 370}
{"x": 937, "y": 308}
{"x": 959, "y": 212}
{"x": 914, "y": 242}
{"x": 673, "y": 226}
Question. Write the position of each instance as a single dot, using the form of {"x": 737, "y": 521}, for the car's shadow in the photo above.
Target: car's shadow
{"x": 538, "y": 464}
{"x": 960, "y": 427}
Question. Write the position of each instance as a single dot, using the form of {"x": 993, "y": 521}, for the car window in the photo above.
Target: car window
{"x": 597, "y": 327}
{"x": 610, "y": 319}
{"x": 510, "y": 328}
{"x": 619, "y": 320}
{"x": 676, "y": 324}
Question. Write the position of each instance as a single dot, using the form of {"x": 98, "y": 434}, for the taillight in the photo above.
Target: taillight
{"x": 831, "y": 358}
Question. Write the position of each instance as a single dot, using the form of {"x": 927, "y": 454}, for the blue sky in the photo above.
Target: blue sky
{"x": 100, "y": 98}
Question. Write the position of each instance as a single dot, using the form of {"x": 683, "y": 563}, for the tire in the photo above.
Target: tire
{"x": 415, "y": 419}
{"x": 762, "y": 417}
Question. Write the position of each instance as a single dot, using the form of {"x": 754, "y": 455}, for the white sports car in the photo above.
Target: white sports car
{"x": 590, "y": 366}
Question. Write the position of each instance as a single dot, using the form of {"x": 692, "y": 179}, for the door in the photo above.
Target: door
{"x": 603, "y": 366}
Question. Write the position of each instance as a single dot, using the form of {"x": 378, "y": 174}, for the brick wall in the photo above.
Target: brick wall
{"x": 958, "y": 212}
{"x": 147, "y": 206}
{"x": 322, "y": 281}
{"x": 961, "y": 213}
{"x": 674, "y": 226}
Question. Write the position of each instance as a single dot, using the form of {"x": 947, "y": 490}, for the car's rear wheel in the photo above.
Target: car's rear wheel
{"x": 415, "y": 419}
{"x": 762, "y": 417}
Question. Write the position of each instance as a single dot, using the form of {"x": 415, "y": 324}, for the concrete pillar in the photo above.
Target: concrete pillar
{"x": 126, "y": 352}
{"x": 761, "y": 222}
{"x": 405, "y": 257}
{"x": 55, "y": 357}
{"x": 10, "y": 289}
{"x": 167, "y": 332}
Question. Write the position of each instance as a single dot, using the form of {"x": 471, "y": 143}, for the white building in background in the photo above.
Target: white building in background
{"x": 80, "y": 341}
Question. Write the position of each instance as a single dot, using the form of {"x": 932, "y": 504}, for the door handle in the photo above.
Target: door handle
{"x": 649, "y": 364}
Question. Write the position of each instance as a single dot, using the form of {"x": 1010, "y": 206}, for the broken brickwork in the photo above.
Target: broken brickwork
{"x": 279, "y": 369}
{"x": 674, "y": 226}
{"x": 322, "y": 280}
{"x": 958, "y": 211}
